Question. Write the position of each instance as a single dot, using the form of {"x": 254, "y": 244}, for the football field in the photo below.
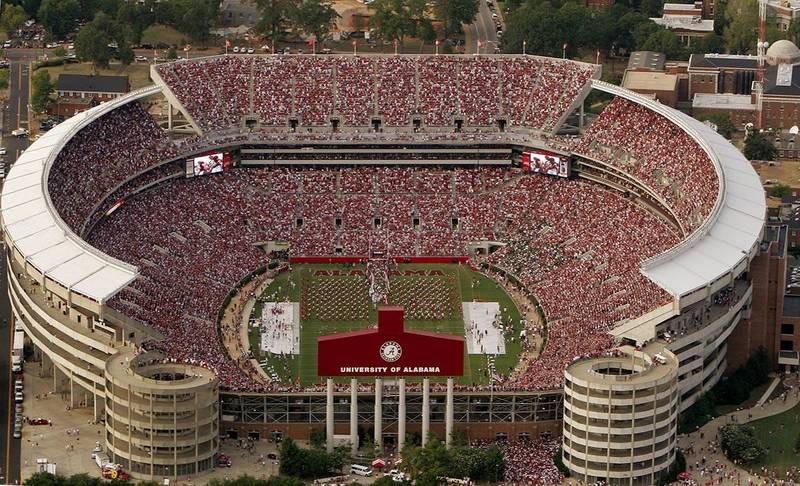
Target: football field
{"x": 336, "y": 298}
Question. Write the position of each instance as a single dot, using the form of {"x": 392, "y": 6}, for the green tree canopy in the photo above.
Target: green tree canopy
{"x": 758, "y": 146}
{"x": 59, "y": 17}
{"x": 274, "y": 18}
{"x": 725, "y": 126}
{"x": 12, "y": 18}
{"x": 453, "y": 13}
{"x": 665, "y": 40}
{"x": 395, "y": 19}
{"x": 741, "y": 31}
{"x": 309, "y": 463}
{"x": 41, "y": 89}
{"x": 314, "y": 17}
{"x": 740, "y": 444}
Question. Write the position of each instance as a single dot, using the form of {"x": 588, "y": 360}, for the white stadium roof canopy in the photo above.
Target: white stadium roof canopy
{"x": 732, "y": 232}
{"x": 38, "y": 233}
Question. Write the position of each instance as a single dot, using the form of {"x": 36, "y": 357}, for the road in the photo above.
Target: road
{"x": 481, "y": 30}
{"x": 15, "y": 114}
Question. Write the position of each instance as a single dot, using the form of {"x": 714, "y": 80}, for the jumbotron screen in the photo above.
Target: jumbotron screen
{"x": 546, "y": 163}
{"x": 208, "y": 163}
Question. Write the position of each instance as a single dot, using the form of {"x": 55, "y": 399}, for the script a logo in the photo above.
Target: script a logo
{"x": 391, "y": 351}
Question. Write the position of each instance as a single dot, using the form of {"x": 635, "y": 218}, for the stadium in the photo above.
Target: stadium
{"x": 178, "y": 256}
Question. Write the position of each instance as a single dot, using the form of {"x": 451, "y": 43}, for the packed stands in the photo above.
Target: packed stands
{"x": 525, "y": 90}
{"x": 103, "y": 155}
{"x": 657, "y": 153}
{"x": 581, "y": 262}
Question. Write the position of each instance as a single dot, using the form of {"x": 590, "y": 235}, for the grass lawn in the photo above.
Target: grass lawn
{"x": 779, "y": 433}
{"x": 139, "y": 74}
{"x": 162, "y": 33}
{"x": 317, "y": 317}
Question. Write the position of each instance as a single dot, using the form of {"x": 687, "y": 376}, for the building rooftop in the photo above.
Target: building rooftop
{"x": 649, "y": 81}
{"x": 647, "y": 60}
{"x": 716, "y": 61}
{"x": 782, "y": 80}
{"x": 723, "y": 101}
{"x": 684, "y": 22}
{"x": 93, "y": 84}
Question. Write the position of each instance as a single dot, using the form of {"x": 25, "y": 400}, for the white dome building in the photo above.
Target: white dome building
{"x": 783, "y": 52}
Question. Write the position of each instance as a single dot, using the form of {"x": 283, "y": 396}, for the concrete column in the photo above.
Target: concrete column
{"x": 354, "y": 415}
{"x": 71, "y": 391}
{"x": 378, "y": 439}
{"x": 169, "y": 115}
{"x": 401, "y": 415}
{"x": 329, "y": 416}
{"x": 94, "y": 401}
{"x": 581, "y": 116}
{"x": 448, "y": 416}
{"x": 426, "y": 409}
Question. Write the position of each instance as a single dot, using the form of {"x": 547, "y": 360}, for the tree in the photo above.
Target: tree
{"x": 137, "y": 17}
{"x": 197, "y": 20}
{"x": 740, "y": 444}
{"x": 395, "y": 19}
{"x": 12, "y": 18}
{"x": 274, "y": 18}
{"x": 41, "y": 89}
{"x": 725, "y": 126}
{"x": 664, "y": 40}
{"x": 91, "y": 43}
{"x": 172, "y": 54}
{"x": 454, "y": 13}
{"x": 315, "y": 17}
{"x": 309, "y": 463}
{"x": 758, "y": 146}
{"x": 742, "y": 25}
{"x": 779, "y": 191}
{"x": 429, "y": 463}
{"x": 4, "y": 74}
{"x": 712, "y": 43}
{"x": 651, "y": 8}
{"x": 59, "y": 17}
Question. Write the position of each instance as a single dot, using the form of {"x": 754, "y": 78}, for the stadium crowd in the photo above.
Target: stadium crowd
{"x": 655, "y": 151}
{"x": 524, "y": 90}
{"x": 581, "y": 263}
{"x": 124, "y": 143}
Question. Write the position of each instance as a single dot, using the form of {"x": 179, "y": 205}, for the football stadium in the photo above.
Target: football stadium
{"x": 376, "y": 247}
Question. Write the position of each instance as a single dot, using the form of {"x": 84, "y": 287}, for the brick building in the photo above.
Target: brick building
{"x": 103, "y": 88}
{"x": 760, "y": 326}
{"x": 688, "y": 21}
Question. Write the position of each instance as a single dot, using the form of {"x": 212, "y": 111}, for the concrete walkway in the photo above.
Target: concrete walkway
{"x": 704, "y": 458}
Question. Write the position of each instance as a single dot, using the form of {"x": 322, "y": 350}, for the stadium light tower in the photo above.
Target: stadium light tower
{"x": 761, "y": 50}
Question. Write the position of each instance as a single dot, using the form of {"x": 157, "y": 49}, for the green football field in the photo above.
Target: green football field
{"x": 431, "y": 297}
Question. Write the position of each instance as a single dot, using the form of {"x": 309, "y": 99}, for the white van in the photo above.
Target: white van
{"x": 360, "y": 470}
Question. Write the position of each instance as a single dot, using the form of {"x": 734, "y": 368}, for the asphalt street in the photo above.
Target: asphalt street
{"x": 481, "y": 30}
{"x": 15, "y": 115}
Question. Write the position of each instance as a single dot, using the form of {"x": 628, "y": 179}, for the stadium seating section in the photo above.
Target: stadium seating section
{"x": 525, "y": 91}
{"x": 573, "y": 244}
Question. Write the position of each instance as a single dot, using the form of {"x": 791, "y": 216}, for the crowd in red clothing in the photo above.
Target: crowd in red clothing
{"x": 122, "y": 143}
{"x": 524, "y": 90}
{"x": 658, "y": 153}
{"x": 572, "y": 244}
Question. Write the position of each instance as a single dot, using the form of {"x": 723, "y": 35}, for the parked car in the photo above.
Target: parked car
{"x": 20, "y": 132}
{"x": 19, "y": 397}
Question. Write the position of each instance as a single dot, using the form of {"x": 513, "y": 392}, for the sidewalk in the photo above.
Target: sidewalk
{"x": 705, "y": 460}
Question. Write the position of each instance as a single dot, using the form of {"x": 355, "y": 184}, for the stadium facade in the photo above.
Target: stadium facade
{"x": 164, "y": 416}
